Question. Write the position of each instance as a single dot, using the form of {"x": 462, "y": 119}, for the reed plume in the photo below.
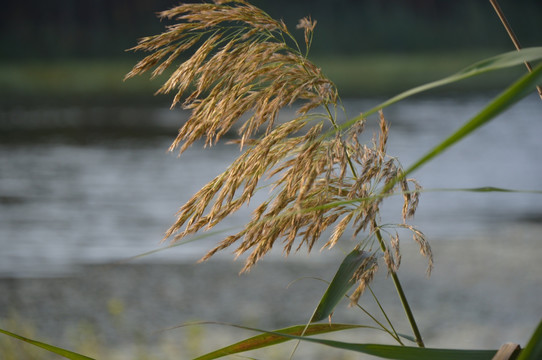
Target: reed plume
{"x": 240, "y": 66}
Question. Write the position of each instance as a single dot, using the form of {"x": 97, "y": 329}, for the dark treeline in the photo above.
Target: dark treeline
{"x": 50, "y": 29}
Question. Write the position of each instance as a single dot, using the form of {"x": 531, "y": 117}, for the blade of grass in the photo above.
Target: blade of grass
{"x": 533, "y": 350}
{"x": 382, "y": 351}
{"x": 272, "y": 338}
{"x": 336, "y": 290}
{"x": 425, "y": 190}
{"x": 339, "y": 286}
{"x": 179, "y": 243}
{"x": 63, "y": 352}
{"x": 510, "y": 96}
{"x": 381, "y": 326}
{"x": 408, "y": 353}
{"x": 490, "y": 189}
{"x": 509, "y": 59}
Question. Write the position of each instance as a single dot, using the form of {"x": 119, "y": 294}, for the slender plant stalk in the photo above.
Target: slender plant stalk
{"x": 395, "y": 278}
{"x": 513, "y": 36}
{"x": 392, "y": 332}
{"x": 401, "y": 293}
{"x": 395, "y": 335}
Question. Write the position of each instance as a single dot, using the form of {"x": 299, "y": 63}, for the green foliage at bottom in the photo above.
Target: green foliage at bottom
{"x": 63, "y": 352}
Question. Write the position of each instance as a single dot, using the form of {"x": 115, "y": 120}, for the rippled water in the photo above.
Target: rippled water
{"x": 93, "y": 185}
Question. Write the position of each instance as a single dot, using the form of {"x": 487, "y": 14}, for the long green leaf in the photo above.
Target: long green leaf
{"x": 272, "y": 338}
{"x": 509, "y": 59}
{"x": 407, "y": 352}
{"x": 485, "y": 189}
{"x": 425, "y": 190}
{"x": 382, "y": 351}
{"x": 339, "y": 286}
{"x": 66, "y": 353}
{"x": 513, "y": 94}
{"x": 533, "y": 350}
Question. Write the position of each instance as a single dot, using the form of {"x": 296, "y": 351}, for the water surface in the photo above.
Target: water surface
{"x": 94, "y": 185}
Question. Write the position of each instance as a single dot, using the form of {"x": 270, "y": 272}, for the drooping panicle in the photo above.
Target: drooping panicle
{"x": 234, "y": 67}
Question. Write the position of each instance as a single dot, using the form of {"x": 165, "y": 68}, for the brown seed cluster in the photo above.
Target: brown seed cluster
{"x": 242, "y": 67}
{"x": 238, "y": 64}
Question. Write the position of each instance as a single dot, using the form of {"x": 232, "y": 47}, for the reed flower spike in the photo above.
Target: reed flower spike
{"x": 241, "y": 67}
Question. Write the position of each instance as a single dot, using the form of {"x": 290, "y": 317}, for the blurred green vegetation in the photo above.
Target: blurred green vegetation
{"x": 68, "y": 81}
{"x": 100, "y": 82}
{"x": 73, "y": 52}
{"x": 102, "y": 29}
{"x": 388, "y": 74}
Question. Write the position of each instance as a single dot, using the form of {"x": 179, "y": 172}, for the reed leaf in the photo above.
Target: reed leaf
{"x": 533, "y": 350}
{"x": 383, "y": 351}
{"x": 501, "y": 61}
{"x": 63, "y": 352}
{"x": 488, "y": 189}
{"x": 482, "y": 189}
{"x": 407, "y": 352}
{"x": 273, "y": 338}
{"x": 339, "y": 286}
{"x": 510, "y": 96}
{"x": 183, "y": 242}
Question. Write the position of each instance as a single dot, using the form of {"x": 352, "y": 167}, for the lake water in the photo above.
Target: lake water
{"x": 93, "y": 185}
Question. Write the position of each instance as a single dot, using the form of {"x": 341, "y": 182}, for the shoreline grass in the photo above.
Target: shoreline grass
{"x": 99, "y": 81}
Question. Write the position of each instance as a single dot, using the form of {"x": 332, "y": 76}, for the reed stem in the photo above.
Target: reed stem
{"x": 512, "y": 36}
{"x": 395, "y": 278}
{"x": 401, "y": 293}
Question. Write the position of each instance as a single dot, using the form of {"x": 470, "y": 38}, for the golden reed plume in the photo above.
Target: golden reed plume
{"x": 240, "y": 66}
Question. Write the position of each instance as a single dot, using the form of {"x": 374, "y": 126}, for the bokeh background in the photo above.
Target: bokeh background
{"x": 70, "y": 50}
{"x": 86, "y": 184}
{"x": 103, "y": 29}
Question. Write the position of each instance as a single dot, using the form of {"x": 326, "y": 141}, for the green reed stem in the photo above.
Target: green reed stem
{"x": 392, "y": 332}
{"x": 400, "y": 292}
{"x": 396, "y": 282}
{"x": 386, "y": 316}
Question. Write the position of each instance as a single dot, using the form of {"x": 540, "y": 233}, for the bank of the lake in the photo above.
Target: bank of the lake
{"x": 100, "y": 81}
{"x": 483, "y": 292}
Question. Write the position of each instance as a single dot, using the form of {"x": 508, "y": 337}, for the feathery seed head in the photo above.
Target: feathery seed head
{"x": 238, "y": 68}
{"x": 363, "y": 276}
